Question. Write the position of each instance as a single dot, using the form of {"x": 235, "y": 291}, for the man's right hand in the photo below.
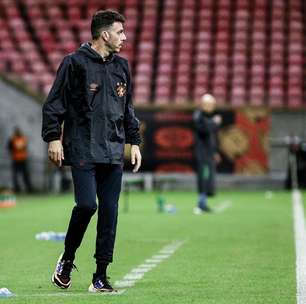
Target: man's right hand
{"x": 56, "y": 152}
{"x": 217, "y": 119}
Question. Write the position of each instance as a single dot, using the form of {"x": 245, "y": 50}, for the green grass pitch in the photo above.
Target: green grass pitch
{"x": 243, "y": 255}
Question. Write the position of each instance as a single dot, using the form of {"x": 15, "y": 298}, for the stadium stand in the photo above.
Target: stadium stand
{"x": 244, "y": 52}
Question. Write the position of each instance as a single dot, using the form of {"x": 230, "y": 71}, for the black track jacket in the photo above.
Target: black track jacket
{"x": 205, "y": 137}
{"x": 93, "y": 97}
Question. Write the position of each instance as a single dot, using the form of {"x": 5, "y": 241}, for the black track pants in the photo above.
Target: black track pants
{"x": 91, "y": 180}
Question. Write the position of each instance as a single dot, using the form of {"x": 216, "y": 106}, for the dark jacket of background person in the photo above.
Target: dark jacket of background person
{"x": 18, "y": 147}
{"x": 93, "y": 96}
{"x": 205, "y": 136}
{"x": 205, "y": 150}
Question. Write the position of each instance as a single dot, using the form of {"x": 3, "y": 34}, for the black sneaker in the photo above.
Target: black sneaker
{"x": 61, "y": 276}
{"x": 101, "y": 284}
{"x": 207, "y": 209}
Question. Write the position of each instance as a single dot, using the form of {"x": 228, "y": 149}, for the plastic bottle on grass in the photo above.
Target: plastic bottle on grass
{"x": 51, "y": 236}
{"x": 5, "y": 293}
{"x": 170, "y": 208}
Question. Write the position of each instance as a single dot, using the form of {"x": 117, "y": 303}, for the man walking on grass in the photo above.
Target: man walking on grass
{"x": 91, "y": 101}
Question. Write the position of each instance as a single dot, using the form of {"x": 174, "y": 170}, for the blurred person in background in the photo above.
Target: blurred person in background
{"x": 18, "y": 148}
{"x": 206, "y": 124}
{"x": 92, "y": 95}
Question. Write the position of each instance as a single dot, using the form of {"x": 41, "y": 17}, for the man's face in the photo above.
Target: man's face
{"x": 208, "y": 106}
{"x": 208, "y": 103}
{"x": 116, "y": 37}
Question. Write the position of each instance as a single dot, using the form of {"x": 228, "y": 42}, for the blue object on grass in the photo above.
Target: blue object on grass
{"x": 5, "y": 293}
{"x": 170, "y": 208}
{"x": 51, "y": 236}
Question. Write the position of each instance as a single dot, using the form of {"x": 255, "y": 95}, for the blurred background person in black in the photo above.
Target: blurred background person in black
{"x": 206, "y": 124}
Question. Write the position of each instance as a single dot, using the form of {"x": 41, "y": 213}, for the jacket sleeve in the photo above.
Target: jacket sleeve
{"x": 202, "y": 125}
{"x": 54, "y": 108}
{"x": 131, "y": 123}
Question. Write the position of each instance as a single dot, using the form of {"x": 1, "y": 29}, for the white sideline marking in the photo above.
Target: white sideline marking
{"x": 222, "y": 207}
{"x": 125, "y": 284}
{"x": 133, "y": 276}
{"x": 148, "y": 266}
{"x": 137, "y": 273}
{"x": 127, "y": 281}
{"x": 160, "y": 256}
{"x": 167, "y": 251}
{"x": 300, "y": 246}
{"x": 152, "y": 261}
{"x": 140, "y": 270}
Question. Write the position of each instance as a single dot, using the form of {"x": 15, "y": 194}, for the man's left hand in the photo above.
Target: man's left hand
{"x": 135, "y": 157}
{"x": 217, "y": 158}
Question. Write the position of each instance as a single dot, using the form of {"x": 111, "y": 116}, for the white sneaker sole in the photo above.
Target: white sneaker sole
{"x": 91, "y": 288}
{"x": 197, "y": 211}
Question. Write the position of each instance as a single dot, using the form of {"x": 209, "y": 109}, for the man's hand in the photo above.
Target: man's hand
{"x": 217, "y": 119}
{"x": 135, "y": 157}
{"x": 217, "y": 158}
{"x": 55, "y": 152}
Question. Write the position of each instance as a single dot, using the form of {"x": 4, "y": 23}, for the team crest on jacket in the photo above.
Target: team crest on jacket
{"x": 93, "y": 87}
{"x": 121, "y": 89}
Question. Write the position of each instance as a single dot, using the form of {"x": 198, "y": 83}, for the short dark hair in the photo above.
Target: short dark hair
{"x": 103, "y": 19}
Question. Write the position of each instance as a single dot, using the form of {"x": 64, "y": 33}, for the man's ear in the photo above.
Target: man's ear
{"x": 105, "y": 35}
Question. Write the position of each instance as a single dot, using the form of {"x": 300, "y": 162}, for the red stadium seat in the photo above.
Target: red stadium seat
{"x": 257, "y": 97}
{"x": 220, "y": 93}
{"x": 295, "y": 96}
{"x": 276, "y": 95}
{"x": 238, "y": 97}
{"x": 162, "y": 94}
